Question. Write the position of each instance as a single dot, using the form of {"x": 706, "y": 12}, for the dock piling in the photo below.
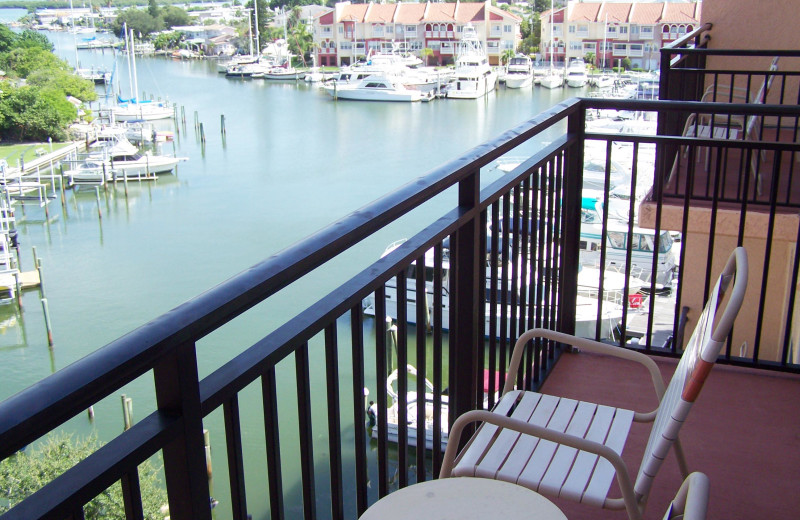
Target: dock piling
{"x": 127, "y": 412}
{"x": 207, "y": 446}
{"x": 97, "y": 197}
{"x": 47, "y": 324}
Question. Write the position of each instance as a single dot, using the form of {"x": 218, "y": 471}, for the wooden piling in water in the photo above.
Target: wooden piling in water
{"x": 202, "y": 134}
{"x": 47, "y": 324}
{"x": 207, "y": 446}
{"x": 127, "y": 412}
{"x": 37, "y": 263}
{"x": 97, "y": 197}
{"x": 222, "y": 125}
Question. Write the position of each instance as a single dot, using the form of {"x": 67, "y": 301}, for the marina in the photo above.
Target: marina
{"x": 116, "y": 257}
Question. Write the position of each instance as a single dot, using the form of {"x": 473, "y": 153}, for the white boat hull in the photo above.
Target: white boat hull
{"x": 551, "y": 81}
{"x": 471, "y": 88}
{"x": 146, "y": 112}
{"x": 519, "y": 80}
{"x": 353, "y": 92}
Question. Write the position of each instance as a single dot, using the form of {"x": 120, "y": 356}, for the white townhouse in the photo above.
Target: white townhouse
{"x": 348, "y": 32}
{"x": 634, "y": 30}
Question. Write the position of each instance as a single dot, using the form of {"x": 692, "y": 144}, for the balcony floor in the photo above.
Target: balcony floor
{"x": 745, "y": 440}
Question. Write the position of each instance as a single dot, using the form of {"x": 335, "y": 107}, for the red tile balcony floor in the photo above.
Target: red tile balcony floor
{"x": 743, "y": 432}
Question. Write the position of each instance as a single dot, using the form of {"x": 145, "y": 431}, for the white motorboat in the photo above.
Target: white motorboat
{"x": 134, "y": 110}
{"x": 473, "y": 76}
{"x": 121, "y": 160}
{"x": 520, "y": 72}
{"x": 576, "y": 74}
{"x": 586, "y": 310}
{"x": 373, "y": 88}
{"x": 281, "y": 72}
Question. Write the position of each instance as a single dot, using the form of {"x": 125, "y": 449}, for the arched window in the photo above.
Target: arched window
{"x": 681, "y": 29}
{"x": 449, "y": 27}
{"x": 665, "y": 29}
{"x": 689, "y": 28}
{"x": 428, "y": 27}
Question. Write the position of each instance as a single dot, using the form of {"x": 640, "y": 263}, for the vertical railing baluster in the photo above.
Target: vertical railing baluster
{"x": 402, "y": 378}
{"x": 360, "y": 437}
{"x": 438, "y": 260}
{"x": 233, "y": 443}
{"x": 306, "y": 436}
{"x": 423, "y": 317}
{"x": 177, "y": 391}
{"x": 381, "y": 373}
{"x": 334, "y": 422}
{"x": 269, "y": 397}
{"x": 132, "y": 496}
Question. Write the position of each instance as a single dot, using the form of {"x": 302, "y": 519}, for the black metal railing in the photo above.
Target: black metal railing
{"x": 503, "y": 255}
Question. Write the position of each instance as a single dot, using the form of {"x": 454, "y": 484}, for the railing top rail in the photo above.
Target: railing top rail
{"x": 53, "y": 400}
{"x": 732, "y": 52}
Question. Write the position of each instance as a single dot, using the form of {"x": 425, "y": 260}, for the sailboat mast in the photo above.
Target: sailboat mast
{"x": 135, "y": 80}
{"x": 250, "y": 31}
{"x": 258, "y": 42}
{"x": 552, "y": 11}
{"x": 129, "y": 46}
{"x": 74, "y": 41}
{"x": 605, "y": 33}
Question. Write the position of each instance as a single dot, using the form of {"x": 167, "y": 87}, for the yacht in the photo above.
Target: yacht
{"x": 134, "y": 110}
{"x": 576, "y": 74}
{"x": 519, "y": 73}
{"x": 119, "y": 159}
{"x": 473, "y": 77}
{"x": 374, "y": 88}
{"x": 284, "y": 71}
{"x": 586, "y": 309}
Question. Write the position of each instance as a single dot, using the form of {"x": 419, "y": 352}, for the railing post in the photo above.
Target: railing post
{"x": 465, "y": 294}
{"x": 178, "y": 393}
{"x": 571, "y": 228}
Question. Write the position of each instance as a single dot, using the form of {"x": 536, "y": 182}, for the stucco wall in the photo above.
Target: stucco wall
{"x": 755, "y": 24}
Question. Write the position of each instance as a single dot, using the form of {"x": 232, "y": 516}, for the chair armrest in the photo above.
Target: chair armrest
{"x": 691, "y": 501}
{"x": 589, "y": 346}
{"x": 454, "y": 436}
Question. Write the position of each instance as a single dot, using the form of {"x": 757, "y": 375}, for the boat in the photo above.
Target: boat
{"x": 282, "y": 72}
{"x": 576, "y": 74}
{"x": 119, "y": 160}
{"x": 617, "y": 235}
{"x": 586, "y": 309}
{"x": 473, "y": 76}
{"x": 519, "y": 73}
{"x": 97, "y": 76}
{"x": 373, "y": 88}
{"x": 552, "y": 78}
{"x": 134, "y": 108}
{"x": 412, "y": 405}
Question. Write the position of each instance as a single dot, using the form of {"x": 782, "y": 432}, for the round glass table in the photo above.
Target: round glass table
{"x": 463, "y": 498}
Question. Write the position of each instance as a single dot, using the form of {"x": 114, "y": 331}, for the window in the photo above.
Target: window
{"x": 341, "y": 29}
{"x": 411, "y": 29}
{"x": 377, "y": 30}
{"x": 634, "y": 29}
{"x": 346, "y": 46}
{"x": 636, "y": 47}
{"x": 616, "y": 239}
{"x": 575, "y": 46}
{"x": 434, "y": 45}
{"x": 612, "y": 29}
{"x": 646, "y": 29}
{"x": 389, "y": 29}
{"x": 623, "y": 30}
{"x": 460, "y": 29}
{"x": 572, "y": 29}
{"x": 583, "y": 29}
{"x": 507, "y": 29}
{"x": 326, "y": 30}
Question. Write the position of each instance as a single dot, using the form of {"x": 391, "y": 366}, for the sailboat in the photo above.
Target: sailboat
{"x": 98, "y": 76}
{"x": 134, "y": 109}
{"x": 552, "y": 79}
{"x": 604, "y": 80}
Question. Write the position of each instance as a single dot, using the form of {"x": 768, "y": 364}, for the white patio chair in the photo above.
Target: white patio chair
{"x": 691, "y": 501}
{"x": 570, "y": 449}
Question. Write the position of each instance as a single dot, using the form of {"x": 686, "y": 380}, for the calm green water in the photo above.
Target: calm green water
{"x": 292, "y": 162}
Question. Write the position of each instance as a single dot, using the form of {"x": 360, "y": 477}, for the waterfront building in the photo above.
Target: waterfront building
{"x": 348, "y": 32}
{"x": 633, "y": 30}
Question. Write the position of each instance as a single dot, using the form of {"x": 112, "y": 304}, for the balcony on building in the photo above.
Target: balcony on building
{"x": 501, "y": 246}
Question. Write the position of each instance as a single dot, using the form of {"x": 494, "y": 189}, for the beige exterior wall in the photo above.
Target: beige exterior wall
{"x": 725, "y": 240}
{"x": 750, "y": 24}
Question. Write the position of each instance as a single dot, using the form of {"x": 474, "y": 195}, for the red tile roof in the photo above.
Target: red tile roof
{"x": 409, "y": 13}
{"x": 381, "y": 13}
{"x": 682, "y": 12}
{"x": 615, "y": 12}
{"x": 463, "y": 12}
{"x": 471, "y": 12}
{"x": 648, "y": 13}
{"x": 584, "y": 12}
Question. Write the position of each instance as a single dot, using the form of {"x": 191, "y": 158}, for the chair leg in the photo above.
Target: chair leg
{"x": 684, "y": 468}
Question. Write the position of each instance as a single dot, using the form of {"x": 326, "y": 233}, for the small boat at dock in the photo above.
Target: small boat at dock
{"x": 374, "y": 88}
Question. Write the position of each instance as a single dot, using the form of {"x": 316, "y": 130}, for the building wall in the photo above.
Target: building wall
{"x": 747, "y": 24}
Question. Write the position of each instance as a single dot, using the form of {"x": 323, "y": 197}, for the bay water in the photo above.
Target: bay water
{"x": 292, "y": 161}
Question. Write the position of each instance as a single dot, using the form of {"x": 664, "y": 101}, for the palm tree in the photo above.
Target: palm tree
{"x": 507, "y": 55}
{"x": 301, "y": 41}
{"x": 427, "y": 52}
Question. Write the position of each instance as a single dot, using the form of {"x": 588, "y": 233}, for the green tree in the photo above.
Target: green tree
{"x": 175, "y": 16}
{"x": 23, "y": 61}
{"x": 140, "y": 21}
{"x": 301, "y": 42}
{"x": 8, "y": 38}
{"x": 66, "y": 82}
{"x": 265, "y": 17}
{"x": 33, "y": 114}
{"x": 29, "y": 39}
{"x": 589, "y": 58}
{"x": 626, "y": 63}
{"x": 507, "y": 55}
{"x": 24, "y": 473}
{"x": 426, "y": 53}
{"x": 169, "y": 40}
{"x": 152, "y": 8}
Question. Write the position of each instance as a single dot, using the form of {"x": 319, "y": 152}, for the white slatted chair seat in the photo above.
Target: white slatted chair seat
{"x": 545, "y": 466}
{"x": 572, "y": 449}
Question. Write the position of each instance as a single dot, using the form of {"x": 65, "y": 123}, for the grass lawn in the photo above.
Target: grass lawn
{"x": 12, "y": 153}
